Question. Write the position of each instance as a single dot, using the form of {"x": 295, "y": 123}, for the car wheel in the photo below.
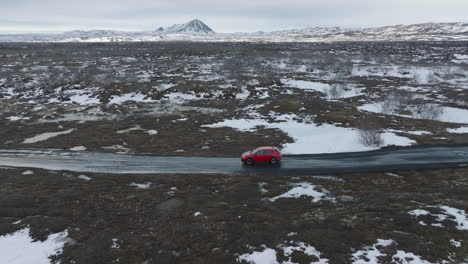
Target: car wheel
{"x": 274, "y": 161}
{"x": 249, "y": 161}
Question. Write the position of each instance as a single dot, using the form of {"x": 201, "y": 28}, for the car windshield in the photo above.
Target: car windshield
{"x": 255, "y": 150}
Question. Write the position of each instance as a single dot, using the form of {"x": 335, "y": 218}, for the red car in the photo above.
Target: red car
{"x": 262, "y": 154}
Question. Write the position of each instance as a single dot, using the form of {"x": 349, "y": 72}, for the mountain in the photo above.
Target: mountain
{"x": 196, "y": 30}
{"x": 194, "y": 27}
{"x": 415, "y": 32}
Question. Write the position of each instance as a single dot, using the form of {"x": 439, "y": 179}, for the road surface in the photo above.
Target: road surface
{"x": 94, "y": 162}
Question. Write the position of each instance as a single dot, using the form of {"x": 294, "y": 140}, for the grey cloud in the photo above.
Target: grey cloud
{"x": 223, "y": 16}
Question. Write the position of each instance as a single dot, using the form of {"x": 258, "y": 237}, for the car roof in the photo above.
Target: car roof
{"x": 267, "y": 148}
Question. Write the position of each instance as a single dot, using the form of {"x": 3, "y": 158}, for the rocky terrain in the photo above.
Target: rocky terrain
{"x": 222, "y": 99}
{"x": 395, "y": 217}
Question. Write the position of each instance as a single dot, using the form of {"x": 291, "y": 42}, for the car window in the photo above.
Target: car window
{"x": 268, "y": 152}
{"x": 260, "y": 152}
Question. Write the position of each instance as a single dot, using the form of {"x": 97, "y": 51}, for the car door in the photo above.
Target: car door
{"x": 267, "y": 155}
{"x": 258, "y": 156}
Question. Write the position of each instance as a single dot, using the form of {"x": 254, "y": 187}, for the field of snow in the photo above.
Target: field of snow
{"x": 310, "y": 138}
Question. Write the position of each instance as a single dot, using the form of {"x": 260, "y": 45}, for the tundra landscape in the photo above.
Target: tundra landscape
{"x": 124, "y": 147}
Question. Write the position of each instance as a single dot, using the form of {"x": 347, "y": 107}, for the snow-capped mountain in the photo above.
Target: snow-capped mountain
{"x": 196, "y": 27}
{"x": 196, "y": 30}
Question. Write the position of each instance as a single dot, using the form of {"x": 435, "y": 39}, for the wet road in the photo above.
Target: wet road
{"x": 383, "y": 160}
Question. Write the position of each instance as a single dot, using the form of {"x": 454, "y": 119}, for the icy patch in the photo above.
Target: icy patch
{"x": 310, "y": 138}
{"x": 459, "y": 217}
{"x": 133, "y": 97}
{"x": 142, "y": 186}
{"x": 19, "y": 247}
{"x": 46, "y": 136}
{"x": 78, "y": 148}
{"x": 304, "y": 189}
{"x": 84, "y": 177}
{"x": 370, "y": 255}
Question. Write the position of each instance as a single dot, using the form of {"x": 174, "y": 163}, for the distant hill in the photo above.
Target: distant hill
{"x": 196, "y": 30}
{"x": 195, "y": 26}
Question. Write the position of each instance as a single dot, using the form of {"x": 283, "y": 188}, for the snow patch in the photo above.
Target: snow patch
{"x": 304, "y": 189}
{"x": 46, "y": 136}
{"x": 268, "y": 255}
{"x": 28, "y": 172}
{"x": 449, "y": 114}
{"x": 371, "y": 254}
{"x": 78, "y": 148}
{"x": 84, "y": 177}
{"x": 459, "y": 217}
{"x": 460, "y": 130}
{"x": 324, "y": 88}
{"x": 142, "y": 186}
{"x": 20, "y": 248}
{"x": 129, "y": 97}
{"x": 455, "y": 243}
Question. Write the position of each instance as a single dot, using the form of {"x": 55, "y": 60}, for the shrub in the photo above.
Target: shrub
{"x": 369, "y": 133}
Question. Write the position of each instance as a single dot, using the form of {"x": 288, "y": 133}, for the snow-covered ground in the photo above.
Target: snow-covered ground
{"x": 310, "y": 138}
{"x": 449, "y": 114}
{"x": 19, "y": 247}
{"x": 371, "y": 254}
{"x": 446, "y": 213}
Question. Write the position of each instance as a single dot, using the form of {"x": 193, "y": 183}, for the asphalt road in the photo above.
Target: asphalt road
{"x": 383, "y": 160}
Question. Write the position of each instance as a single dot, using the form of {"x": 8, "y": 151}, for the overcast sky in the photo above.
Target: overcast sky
{"x": 22, "y": 16}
